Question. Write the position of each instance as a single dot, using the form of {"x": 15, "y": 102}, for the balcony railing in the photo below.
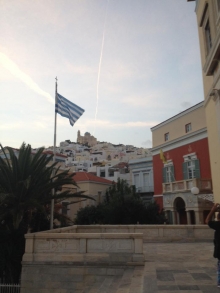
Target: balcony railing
{"x": 204, "y": 185}
{"x": 145, "y": 189}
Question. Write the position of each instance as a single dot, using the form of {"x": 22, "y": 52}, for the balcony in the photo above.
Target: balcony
{"x": 143, "y": 189}
{"x": 204, "y": 185}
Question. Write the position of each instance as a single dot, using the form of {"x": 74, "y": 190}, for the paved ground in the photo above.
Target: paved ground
{"x": 169, "y": 267}
{"x": 179, "y": 267}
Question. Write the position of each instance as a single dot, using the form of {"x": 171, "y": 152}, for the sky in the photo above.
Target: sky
{"x": 130, "y": 64}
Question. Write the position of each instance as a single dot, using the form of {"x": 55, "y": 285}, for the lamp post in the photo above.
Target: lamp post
{"x": 195, "y": 190}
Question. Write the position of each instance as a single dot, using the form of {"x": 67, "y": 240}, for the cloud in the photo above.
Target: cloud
{"x": 186, "y": 105}
{"x": 82, "y": 70}
{"x": 147, "y": 142}
{"x": 109, "y": 124}
{"x": 38, "y": 125}
{"x": 18, "y": 73}
{"x": 146, "y": 100}
{"x": 8, "y": 126}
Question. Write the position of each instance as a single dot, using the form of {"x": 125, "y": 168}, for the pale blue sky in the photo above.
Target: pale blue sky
{"x": 150, "y": 67}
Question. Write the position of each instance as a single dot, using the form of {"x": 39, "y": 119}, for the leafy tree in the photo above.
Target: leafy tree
{"x": 26, "y": 184}
{"x": 122, "y": 206}
{"x": 91, "y": 215}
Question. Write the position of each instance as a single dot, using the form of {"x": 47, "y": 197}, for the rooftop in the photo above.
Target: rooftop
{"x": 85, "y": 177}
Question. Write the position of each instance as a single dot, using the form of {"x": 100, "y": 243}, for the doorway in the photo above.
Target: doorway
{"x": 180, "y": 207}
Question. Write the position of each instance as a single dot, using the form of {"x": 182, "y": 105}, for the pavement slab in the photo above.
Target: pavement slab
{"x": 169, "y": 267}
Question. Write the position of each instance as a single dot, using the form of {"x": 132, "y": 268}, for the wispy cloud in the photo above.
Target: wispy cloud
{"x": 18, "y": 73}
{"x": 82, "y": 70}
{"x": 186, "y": 105}
{"x": 109, "y": 124}
{"x": 13, "y": 126}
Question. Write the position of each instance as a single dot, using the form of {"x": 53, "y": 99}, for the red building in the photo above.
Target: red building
{"x": 181, "y": 167}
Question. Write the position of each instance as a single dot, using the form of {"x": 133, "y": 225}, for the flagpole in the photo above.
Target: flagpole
{"x": 54, "y": 157}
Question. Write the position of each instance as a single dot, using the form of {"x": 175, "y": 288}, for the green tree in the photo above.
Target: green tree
{"x": 26, "y": 183}
{"x": 122, "y": 206}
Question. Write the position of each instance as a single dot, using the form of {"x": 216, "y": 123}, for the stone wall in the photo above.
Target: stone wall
{"x": 69, "y": 261}
{"x": 81, "y": 248}
{"x": 151, "y": 233}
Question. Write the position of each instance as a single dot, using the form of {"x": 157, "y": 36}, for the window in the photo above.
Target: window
{"x": 188, "y": 127}
{"x": 208, "y": 38}
{"x": 166, "y": 136}
{"x": 146, "y": 177}
{"x": 111, "y": 173}
{"x": 191, "y": 169}
{"x": 102, "y": 173}
{"x": 168, "y": 174}
{"x": 218, "y": 5}
{"x": 136, "y": 180}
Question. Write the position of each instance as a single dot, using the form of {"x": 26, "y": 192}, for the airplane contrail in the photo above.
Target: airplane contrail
{"x": 100, "y": 63}
{"x": 18, "y": 73}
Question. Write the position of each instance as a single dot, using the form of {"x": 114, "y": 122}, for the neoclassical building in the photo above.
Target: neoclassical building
{"x": 181, "y": 162}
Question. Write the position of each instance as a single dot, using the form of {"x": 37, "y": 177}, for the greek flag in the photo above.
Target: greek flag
{"x": 68, "y": 109}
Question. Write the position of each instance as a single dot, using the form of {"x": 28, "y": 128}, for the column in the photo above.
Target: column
{"x": 188, "y": 217}
{"x": 178, "y": 218}
{"x": 199, "y": 217}
{"x": 166, "y": 215}
{"x": 174, "y": 217}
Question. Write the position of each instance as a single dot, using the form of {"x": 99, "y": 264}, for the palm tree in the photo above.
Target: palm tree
{"x": 26, "y": 184}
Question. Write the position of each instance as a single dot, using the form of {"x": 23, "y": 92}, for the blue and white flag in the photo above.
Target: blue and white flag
{"x": 68, "y": 109}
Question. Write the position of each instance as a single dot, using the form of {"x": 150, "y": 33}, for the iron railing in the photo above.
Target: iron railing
{"x": 142, "y": 189}
{"x": 10, "y": 288}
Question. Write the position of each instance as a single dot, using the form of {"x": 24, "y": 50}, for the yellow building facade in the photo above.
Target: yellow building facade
{"x": 208, "y": 21}
{"x": 92, "y": 186}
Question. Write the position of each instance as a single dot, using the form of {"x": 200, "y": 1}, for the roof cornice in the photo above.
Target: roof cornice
{"x": 181, "y": 141}
{"x": 187, "y": 111}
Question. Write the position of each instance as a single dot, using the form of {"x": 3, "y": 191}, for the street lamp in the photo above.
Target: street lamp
{"x": 195, "y": 190}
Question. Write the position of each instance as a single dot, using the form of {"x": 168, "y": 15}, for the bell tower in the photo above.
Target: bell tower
{"x": 78, "y": 136}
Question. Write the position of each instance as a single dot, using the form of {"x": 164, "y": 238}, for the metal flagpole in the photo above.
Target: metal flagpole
{"x": 54, "y": 157}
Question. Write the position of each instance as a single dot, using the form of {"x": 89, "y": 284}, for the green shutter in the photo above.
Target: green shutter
{"x": 197, "y": 169}
{"x": 164, "y": 175}
{"x": 185, "y": 173}
{"x": 172, "y": 174}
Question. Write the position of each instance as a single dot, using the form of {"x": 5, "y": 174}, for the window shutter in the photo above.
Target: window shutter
{"x": 197, "y": 169}
{"x": 164, "y": 175}
{"x": 172, "y": 174}
{"x": 185, "y": 173}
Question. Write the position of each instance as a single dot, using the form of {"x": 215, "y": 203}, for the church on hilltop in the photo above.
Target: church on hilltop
{"x": 88, "y": 139}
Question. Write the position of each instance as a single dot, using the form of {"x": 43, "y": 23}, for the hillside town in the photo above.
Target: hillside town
{"x": 168, "y": 173}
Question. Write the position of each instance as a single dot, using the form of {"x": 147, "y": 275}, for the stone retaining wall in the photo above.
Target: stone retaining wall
{"x": 84, "y": 248}
{"x": 151, "y": 233}
{"x": 68, "y": 261}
